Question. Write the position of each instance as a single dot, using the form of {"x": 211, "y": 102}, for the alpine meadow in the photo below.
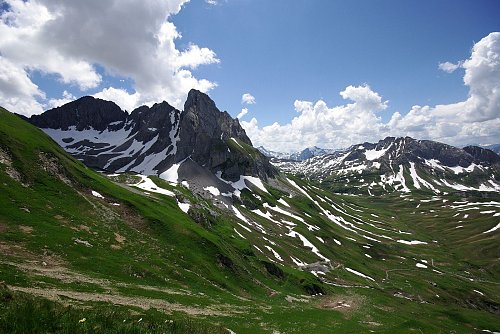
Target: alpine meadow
{"x": 132, "y": 202}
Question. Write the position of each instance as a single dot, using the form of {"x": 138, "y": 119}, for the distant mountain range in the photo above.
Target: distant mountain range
{"x": 494, "y": 147}
{"x": 307, "y": 153}
{"x": 400, "y": 164}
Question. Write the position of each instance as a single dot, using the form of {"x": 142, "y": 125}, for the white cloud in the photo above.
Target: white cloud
{"x": 212, "y": 2}
{"x": 121, "y": 97}
{"x": 66, "y": 98}
{"x": 475, "y": 120}
{"x": 449, "y": 67}
{"x": 243, "y": 112}
{"x": 17, "y": 92}
{"x": 125, "y": 37}
{"x": 247, "y": 98}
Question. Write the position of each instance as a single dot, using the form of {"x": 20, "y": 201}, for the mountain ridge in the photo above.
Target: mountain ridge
{"x": 305, "y": 154}
{"x": 397, "y": 161}
{"x": 150, "y": 140}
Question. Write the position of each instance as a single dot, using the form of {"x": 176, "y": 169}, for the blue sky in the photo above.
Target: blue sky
{"x": 322, "y": 72}
{"x": 283, "y": 50}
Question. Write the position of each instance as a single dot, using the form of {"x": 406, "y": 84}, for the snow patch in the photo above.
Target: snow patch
{"x": 375, "y": 154}
{"x": 213, "y": 190}
{"x": 355, "y": 272}
{"x": 147, "y": 184}
{"x": 96, "y": 194}
{"x": 412, "y": 242}
{"x": 184, "y": 206}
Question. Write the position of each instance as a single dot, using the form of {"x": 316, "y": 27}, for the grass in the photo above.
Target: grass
{"x": 148, "y": 250}
{"x": 21, "y": 313}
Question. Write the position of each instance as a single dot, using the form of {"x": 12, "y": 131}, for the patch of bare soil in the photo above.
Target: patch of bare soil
{"x": 135, "y": 301}
{"x": 3, "y": 228}
{"x": 345, "y": 304}
{"x": 119, "y": 238}
{"x": 30, "y": 260}
{"x": 26, "y": 229}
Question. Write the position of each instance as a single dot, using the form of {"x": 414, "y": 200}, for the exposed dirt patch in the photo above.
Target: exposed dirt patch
{"x": 135, "y": 301}
{"x": 84, "y": 228}
{"x": 26, "y": 229}
{"x": 119, "y": 238}
{"x": 342, "y": 303}
{"x": 292, "y": 299}
{"x": 31, "y": 260}
{"x": 13, "y": 250}
{"x": 3, "y": 228}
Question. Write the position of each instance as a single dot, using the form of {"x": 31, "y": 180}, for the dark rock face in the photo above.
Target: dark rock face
{"x": 150, "y": 140}
{"x": 204, "y": 135}
{"x": 83, "y": 113}
{"x": 483, "y": 155}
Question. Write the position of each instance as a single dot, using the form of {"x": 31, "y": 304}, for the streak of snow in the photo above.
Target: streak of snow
{"x": 412, "y": 242}
{"x": 276, "y": 255}
{"x": 147, "y": 184}
{"x": 282, "y": 201}
{"x": 213, "y": 190}
{"x": 355, "y": 272}
{"x": 493, "y": 229}
{"x": 306, "y": 243}
{"x": 96, "y": 194}
{"x": 238, "y": 233}
{"x": 284, "y": 212}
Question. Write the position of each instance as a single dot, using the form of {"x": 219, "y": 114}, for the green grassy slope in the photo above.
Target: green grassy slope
{"x": 136, "y": 255}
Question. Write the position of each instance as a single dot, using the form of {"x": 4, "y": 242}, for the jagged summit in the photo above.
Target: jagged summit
{"x": 151, "y": 140}
{"x": 207, "y": 134}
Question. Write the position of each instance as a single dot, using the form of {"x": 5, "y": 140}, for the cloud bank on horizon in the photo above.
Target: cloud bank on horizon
{"x": 475, "y": 120}
{"x": 82, "y": 43}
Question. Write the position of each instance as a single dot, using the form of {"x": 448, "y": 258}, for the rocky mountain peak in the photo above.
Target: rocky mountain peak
{"x": 201, "y": 114}
{"x": 84, "y": 113}
{"x": 150, "y": 140}
{"x": 206, "y": 134}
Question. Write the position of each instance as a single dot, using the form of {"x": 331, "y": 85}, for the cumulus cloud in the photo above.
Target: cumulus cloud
{"x": 449, "y": 67}
{"x": 243, "y": 112}
{"x": 126, "y": 38}
{"x": 475, "y": 120}
{"x": 66, "y": 98}
{"x": 247, "y": 98}
{"x": 121, "y": 97}
{"x": 317, "y": 124}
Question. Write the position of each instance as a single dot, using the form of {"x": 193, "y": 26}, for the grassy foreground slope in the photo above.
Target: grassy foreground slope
{"x": 76, "y": 245}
